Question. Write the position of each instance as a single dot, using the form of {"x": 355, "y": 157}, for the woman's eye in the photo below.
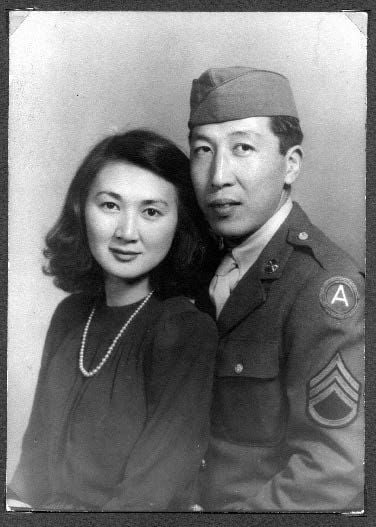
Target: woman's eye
{"x": 151, "y": 212}
{"x": 243, "y": 148}
{"x": 109, "y": 205}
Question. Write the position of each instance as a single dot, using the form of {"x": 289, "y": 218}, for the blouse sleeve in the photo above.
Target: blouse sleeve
{"x": 163, "y": 466}
{"x": 30, "y": 482}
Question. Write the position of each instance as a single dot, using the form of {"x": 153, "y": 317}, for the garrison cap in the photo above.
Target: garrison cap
{"x": 226, "y": 94}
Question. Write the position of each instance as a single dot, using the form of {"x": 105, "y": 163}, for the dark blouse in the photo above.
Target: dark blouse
{"x": 132, "y": 436}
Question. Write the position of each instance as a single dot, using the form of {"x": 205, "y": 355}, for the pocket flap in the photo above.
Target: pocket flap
{"x": 247, "y": 358}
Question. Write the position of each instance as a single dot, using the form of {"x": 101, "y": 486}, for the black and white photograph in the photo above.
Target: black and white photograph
{"x": 186, "y": 262}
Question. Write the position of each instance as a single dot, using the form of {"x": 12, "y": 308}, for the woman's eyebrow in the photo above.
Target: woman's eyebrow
{"x": 109, "y": 193}
{"x": 144, "y": 202}
{"x": 155, "y": 202}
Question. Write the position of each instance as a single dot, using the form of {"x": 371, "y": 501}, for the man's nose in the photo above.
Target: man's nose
{"x": 127, "y": 227}
{"x": 221, "y": 175}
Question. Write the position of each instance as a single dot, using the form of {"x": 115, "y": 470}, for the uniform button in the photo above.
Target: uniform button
{"x": 303, "y": 236}
{"x": 203, "y": 464}
{"x": 239, "y": 368}
{"x": 196, "y": 508}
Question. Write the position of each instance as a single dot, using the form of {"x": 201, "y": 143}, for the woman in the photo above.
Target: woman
{"x": 120, "y": 416}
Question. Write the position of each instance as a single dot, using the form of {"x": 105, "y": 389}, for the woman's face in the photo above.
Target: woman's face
{"x": 131, "y": 216}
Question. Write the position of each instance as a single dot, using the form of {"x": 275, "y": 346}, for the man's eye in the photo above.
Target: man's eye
{"x": 243, "y": 148}
{"x": 201, "y": 150}
{"x": 152, "y": 213}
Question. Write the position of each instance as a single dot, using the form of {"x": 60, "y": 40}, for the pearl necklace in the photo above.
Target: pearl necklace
{"x": 113, "y": 344}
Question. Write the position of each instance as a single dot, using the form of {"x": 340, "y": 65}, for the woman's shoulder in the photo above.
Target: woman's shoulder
{"x": 180, "y": 311}
{"x": 183, "y": 331}
{"x": 73, "y": 307}
{"x": 178, "y": 305}
{"x": 70, "y": 312}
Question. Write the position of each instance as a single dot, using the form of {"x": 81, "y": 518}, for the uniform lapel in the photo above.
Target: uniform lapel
{"x": 204, "y": 303}
{"x": 245, "y": 298}
{"x": 251, "y": 292}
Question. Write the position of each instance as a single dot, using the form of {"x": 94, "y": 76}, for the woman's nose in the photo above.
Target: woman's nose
{"x": 126, "y": 228}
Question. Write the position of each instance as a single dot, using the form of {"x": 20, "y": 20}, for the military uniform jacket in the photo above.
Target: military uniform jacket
{"x": 287, "y": 416}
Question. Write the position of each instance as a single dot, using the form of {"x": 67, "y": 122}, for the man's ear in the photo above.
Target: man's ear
{"x": 293, "y": 158}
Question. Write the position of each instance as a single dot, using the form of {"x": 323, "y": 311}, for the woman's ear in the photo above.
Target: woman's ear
{"x": 293, "y": 158}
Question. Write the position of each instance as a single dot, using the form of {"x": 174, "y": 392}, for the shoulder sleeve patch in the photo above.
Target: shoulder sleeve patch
{"x": 339, "y": 297}
{"x": 333, "y": 395}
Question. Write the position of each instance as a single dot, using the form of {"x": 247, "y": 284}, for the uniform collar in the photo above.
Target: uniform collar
{"x": 297, "y": 230}
{"x": 248, "y": 251}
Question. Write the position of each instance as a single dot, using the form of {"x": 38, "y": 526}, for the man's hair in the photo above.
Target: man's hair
{"x": 67, "y": 249}
{"x": 288, "y": 131}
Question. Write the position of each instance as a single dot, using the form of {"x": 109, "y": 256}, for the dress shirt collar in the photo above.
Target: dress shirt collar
{"x": 250, "y": 249}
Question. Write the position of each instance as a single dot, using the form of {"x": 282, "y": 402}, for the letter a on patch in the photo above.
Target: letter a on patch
{"x": 333, "y": 395}
{"x": 339, "y": 297}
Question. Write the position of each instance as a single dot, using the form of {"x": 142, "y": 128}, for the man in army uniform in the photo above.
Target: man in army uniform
{"x": 287, "y": 416}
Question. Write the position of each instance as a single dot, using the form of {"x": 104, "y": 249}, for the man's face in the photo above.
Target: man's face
{"x": 238, "y": 174}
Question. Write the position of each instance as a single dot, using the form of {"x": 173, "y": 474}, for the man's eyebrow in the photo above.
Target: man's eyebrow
{"x": 235, "y": 133}
{"x": 199, "y": 137}
{"x": 244, "y": 133}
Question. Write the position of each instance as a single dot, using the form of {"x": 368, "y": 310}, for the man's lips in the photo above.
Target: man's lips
{"x": 222, "y": 206}
{"x": 222, "y": 202}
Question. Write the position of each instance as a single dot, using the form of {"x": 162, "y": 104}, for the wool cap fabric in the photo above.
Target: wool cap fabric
{"x": 226, "y": 94}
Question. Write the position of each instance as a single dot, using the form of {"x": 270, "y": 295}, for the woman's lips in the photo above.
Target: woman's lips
{"x": 124, "y": 256}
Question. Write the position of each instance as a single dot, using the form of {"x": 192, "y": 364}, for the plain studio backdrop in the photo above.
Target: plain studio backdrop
{"x": 76, "y": 77}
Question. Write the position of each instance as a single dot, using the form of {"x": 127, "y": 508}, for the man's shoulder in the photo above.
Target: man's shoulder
{"x": 309, "y": 241}
{"x": 320, "y": 269}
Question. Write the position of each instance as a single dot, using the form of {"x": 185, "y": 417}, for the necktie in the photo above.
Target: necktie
{"x": 223, "y": 282}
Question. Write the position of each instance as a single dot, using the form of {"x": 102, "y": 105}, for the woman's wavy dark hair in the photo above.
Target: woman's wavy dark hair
{"x": 70, "y": 261}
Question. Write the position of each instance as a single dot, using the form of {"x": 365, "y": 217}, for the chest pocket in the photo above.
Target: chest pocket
{"x": 249, "y": 406}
